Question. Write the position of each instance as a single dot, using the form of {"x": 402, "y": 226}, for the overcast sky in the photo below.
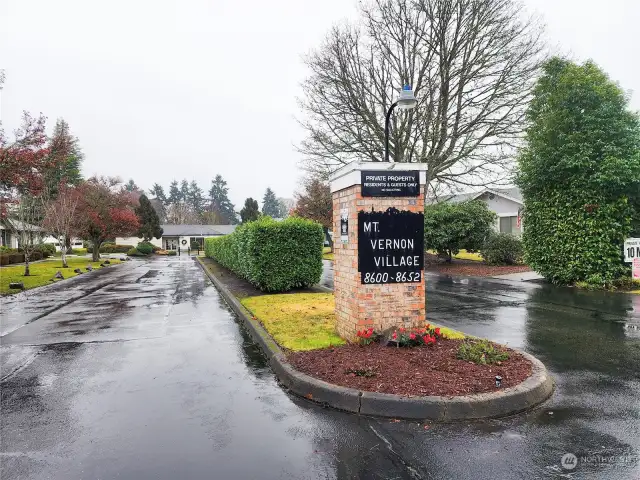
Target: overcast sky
{"x": 159, "y": 89}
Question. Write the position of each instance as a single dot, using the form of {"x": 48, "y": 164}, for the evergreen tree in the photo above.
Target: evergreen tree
{"x": 220, "y": 206}
{"x": 158, "y": 192}
{"x": 174, "y": 193}
{"x": 195, "y": 198}
{"x": 250, "y": 212}
{"x": 131, "y": 186}
{"x": 579, "y": 175}
{"x": 66, "y": 155}
{"x": 270, "y": 204}
{"x": 184, "y": 190}
{"x": 149, "y": 221}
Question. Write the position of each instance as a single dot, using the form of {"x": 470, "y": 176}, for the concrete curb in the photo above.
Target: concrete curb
{"x": 533, "y": 391}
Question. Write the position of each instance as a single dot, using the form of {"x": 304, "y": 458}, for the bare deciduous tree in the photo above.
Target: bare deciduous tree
{"x": 60, "y": 217}
{"x": 182, "y": 213}
{"x": 471, "y": 63}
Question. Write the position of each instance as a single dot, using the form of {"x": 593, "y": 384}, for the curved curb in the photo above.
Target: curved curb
{"x": 533, "y": 391}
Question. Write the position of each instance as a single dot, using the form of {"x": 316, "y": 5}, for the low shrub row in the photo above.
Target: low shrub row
{"x": 273, "y": 256}
{"x": 18, "y": 257}
{"x": 114, "y": 248}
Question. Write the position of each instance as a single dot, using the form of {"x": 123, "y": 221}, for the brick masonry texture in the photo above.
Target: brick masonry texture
{"x": 360, "y": 306}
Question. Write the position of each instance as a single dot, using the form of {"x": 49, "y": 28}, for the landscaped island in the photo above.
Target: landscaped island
{"x": 428, "y": 364}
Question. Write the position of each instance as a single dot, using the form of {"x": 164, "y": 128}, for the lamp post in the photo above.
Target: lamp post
{"x": 406, "y": 101}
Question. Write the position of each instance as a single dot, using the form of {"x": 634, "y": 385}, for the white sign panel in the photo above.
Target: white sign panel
{"x": 631, "y": 249}
{"x": 344, "y": 225}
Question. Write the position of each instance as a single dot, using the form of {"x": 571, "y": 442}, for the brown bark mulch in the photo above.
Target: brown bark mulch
{"x": 432, "y": 263}
{"x": 417, "y": 371}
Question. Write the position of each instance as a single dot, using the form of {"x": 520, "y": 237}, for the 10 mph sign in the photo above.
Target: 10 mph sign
{"x": 631, "y": 249}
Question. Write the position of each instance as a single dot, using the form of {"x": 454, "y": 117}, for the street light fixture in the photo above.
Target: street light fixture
{"x": 406, "y": 101}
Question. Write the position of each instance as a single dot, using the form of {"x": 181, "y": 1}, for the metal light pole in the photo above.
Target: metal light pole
{"x": 406, "y": 101}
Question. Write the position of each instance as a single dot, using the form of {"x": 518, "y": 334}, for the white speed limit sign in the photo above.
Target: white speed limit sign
{"x": 631, "y": 249}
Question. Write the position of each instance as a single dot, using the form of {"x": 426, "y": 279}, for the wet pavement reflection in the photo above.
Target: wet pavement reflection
{"x": 151, "y": 376}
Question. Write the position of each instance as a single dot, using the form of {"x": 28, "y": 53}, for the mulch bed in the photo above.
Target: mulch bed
{"x": 432, "y": 263}
{"x": 417, "y": 371}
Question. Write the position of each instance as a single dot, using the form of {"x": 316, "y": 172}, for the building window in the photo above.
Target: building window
{"x": 509, "y": 225}
{"x": 5, "y": 239}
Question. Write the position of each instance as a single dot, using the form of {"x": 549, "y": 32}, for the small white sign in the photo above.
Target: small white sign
{"x": 635, "y": 269}
{"x": 631, "y": 249}
{"x": 344, "y": 225}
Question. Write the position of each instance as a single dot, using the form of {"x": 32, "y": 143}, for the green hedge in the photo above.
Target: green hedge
{"x": 18, "y": 257}
{"x": 112, "y": 248}
{"x": 273, "y": 256}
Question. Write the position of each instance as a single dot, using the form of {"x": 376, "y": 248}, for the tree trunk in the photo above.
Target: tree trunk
{"x": 63, "y": 253}
{"x": 96, "y": 249}
{"x": 449, "y": 259}
{"x": 26, "y": 264}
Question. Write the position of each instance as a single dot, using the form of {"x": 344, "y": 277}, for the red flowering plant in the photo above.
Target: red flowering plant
{"x": 402, "y": 337}
{"x": 368, "y": 336}
{"x": 416, "y": 337}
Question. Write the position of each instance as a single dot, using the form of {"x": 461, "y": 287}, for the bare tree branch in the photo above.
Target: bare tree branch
{"x": 472, "y": 65}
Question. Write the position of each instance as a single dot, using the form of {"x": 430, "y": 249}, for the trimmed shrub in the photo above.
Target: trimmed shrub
{"x": 273, "y": 256}
{"x": 46, "y": 249}
{"x": 450, "y": 227}
{"x": 134, "y": 252}
{"x": 172, "y": 253}
{"x": 145, "y": 248}
{"x": 11, "y": 258}
{"x": 18, "y": 257}
{"x": 109, "y": 247}
{"x": 502, "y": 249}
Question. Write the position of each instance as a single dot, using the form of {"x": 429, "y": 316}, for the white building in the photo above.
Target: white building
{"x": 506, "y": 203}
{"x": 174, "y": 236}
{"x": 12, "y": 232}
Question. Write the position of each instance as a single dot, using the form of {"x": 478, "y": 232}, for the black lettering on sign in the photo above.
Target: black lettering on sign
{"x": 376, "y": 183}
{"x": 390, "y": 246}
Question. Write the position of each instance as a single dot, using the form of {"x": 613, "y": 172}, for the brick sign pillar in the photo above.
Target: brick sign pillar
{"x": 378, "y": 229}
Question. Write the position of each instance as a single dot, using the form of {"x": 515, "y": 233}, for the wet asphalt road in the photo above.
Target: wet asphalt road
{"x": 142, "y": 372}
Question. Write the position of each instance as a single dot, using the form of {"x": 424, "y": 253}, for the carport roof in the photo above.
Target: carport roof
{"x": 196, "y": 230}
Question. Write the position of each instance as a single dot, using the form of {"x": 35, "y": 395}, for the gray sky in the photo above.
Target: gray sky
{"x": 159, "y": 89}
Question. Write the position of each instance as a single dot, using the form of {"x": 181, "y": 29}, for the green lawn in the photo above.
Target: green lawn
{"x": 297, "y": 321}
{"x": 304, "y": 321}
{"x": 464, "y": 255}
{"x": 43, "y": 272}
{"x": 76, "y": 251}
{"x": 326, "y": 253}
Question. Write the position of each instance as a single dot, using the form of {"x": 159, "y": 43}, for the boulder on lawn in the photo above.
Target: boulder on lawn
{"x": 78, "y": 271}
{"x": 16, "y": 285}
{"x": 89, "y": 268}
{"x": 58, "y": 275}
{"x": 104, "y": 265}
{"x": 107, "y": 262}
{"x": 123, "y": 259}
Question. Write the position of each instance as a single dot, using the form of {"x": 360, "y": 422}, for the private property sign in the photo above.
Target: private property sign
{"x": 401, "y": 183}
{"x": 390, "y": 246}
{"x": 631, "y": 249}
